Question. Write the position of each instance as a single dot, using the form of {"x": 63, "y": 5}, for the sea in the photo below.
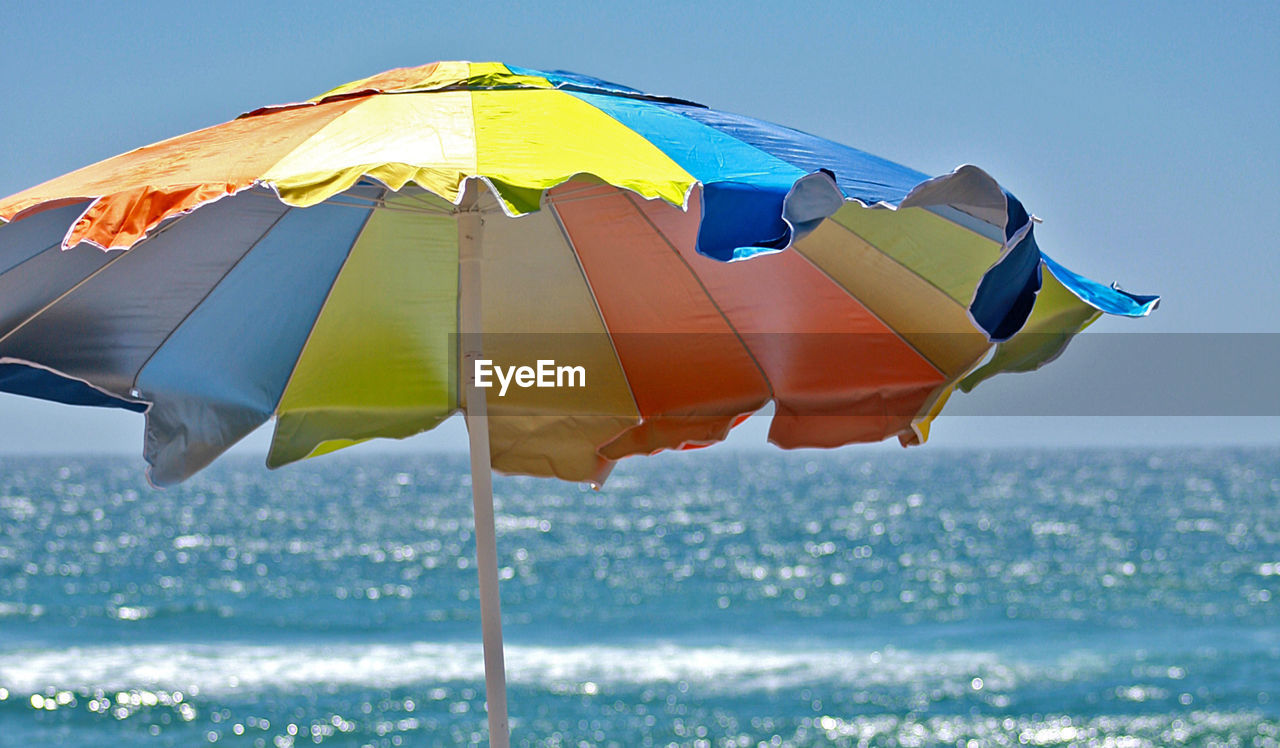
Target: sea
{"x": 728, "y": 599}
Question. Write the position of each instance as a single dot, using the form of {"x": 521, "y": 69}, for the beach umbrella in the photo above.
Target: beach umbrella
{"x": 586, "y": 271}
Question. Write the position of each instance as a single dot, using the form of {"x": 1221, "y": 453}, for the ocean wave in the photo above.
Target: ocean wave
{"x": 20, "y": 610}
{"x": 220, "y": 668}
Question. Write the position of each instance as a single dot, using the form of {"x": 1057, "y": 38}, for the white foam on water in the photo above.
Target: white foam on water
{"x": 229, "y": 668}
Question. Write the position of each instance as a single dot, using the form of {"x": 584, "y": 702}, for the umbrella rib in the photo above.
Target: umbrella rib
{"x": 426, "y": 204}
{"x": 934, "y": 209}
{"x": 360, "y": 203}
{"x": 564, "y": 232}
{"x": 303, "y": 349}
{"x": 19, "y": 264}
{"x": 581, "y": 198}
{"x": 566, "y": 194}
{"x": 207, "y": 294}
{"x": 896, "y": 261}
{"x": 374, "y": 205}
{"x": 929, "y": 281}
{"x": 871, "y": 311}
{"x": 742, "y": 341}
{"x": 122, "y": 254}
{"x": 381, "y": 204}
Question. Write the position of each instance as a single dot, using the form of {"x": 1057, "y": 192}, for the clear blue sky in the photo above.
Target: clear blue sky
{"x": 1145, "y": 135}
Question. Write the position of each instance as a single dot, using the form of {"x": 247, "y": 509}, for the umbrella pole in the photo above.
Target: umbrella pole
{"x": 470, "y": 227}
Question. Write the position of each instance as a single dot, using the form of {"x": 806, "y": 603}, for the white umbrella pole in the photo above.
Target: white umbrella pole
{"x": 470, "y": 227}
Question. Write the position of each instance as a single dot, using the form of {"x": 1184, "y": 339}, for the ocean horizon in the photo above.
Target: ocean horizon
{"x": 1048, "y": 596}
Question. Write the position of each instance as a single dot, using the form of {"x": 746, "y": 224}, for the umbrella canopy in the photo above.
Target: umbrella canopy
{"x": 349, "y": 264}
{"x": 232, "y": 305}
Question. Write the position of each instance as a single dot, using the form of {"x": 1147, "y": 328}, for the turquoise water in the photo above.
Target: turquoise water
{"x": 1123, "y": 598}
